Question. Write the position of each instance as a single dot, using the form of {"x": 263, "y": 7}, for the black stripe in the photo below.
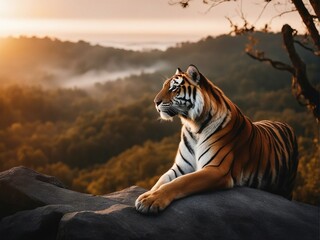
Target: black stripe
{"x": 291, "y": 133}
{"x": 216, "y": 141}
{"x": 190, "y": 133}
{"x": 189, "y": 91}
{"x": 217, "y": 130}
{"x": 284, "y": 139}
{"x": 227, "y": 105}
{"x": 252, "y": 138}
{"x": 271, "y": 130}
{"x": 267, "y": 175}
{"x": 214, "y": 155}
{"x": 222, "y": 123}
{"x": 218, "y": 165}
{"x": 233, "y": 147}
{"x": 204, "y": 152}
{"x": 205, "y": 123}
{"x": 215, "y": 95}
{"x": 183, "y": 158}
{"x": 194, "y": 93}
{"x": 187, "y": 144}
{"x": 180, "y": 170}
{"x": 184, "y": 99}
{"x": 175, "y": 173}
{"x": 236, "y": 135}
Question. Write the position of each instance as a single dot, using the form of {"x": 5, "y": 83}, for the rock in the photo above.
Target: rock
{"x": 240, "y": 213}
{"x": 45, "y": 210}
{"x": 44, "y": 201}
{"x": 19, "y": 187}
{"x": 22, "y": 188}
{"x": 40, "y": 223}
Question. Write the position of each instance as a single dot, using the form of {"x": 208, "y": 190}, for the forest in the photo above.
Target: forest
{"x": 85, "y": 113}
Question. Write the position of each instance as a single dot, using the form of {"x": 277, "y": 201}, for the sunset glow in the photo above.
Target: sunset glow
{"x": 109, "y": 21}
{"x": 112, "y": 30}
{"x": 93, "y": 26}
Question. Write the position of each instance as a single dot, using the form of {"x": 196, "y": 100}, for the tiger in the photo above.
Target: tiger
{"x": 220, "y": 148}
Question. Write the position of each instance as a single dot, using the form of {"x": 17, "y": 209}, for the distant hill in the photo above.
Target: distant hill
{"x": 52, "y": 62}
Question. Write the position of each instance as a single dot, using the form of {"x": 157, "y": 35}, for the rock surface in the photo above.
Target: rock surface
{"x": 36, "y": 206}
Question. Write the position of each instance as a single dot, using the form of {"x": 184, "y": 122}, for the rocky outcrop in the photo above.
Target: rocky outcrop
{"x": 36, "y": 206}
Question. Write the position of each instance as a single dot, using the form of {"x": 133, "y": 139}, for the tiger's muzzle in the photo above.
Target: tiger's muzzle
{"x": 166, "y": 110}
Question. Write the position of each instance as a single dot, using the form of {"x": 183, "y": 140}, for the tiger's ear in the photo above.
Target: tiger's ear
{"x": 178, "y": 71}
{"x": 194, "y": 73}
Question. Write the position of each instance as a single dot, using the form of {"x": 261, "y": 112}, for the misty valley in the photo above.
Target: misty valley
{"x": 85, "y": 113}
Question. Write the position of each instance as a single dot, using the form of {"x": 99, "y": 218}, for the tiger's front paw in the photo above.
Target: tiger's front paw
{"x": 152, "y": 202}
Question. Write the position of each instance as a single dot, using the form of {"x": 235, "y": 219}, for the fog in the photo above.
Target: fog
{"x": 90, "y": 78}
{"x": 51, "y": 63}
{"x": 64, "y": 78}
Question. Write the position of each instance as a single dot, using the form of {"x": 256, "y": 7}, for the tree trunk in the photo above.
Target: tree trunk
{"x": 316, "y": 7}
{"x": 308, "y": 20}
{"x": 300, "y": 79}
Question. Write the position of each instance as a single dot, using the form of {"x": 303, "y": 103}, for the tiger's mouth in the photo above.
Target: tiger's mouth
{"x": 167, "y": 113}
{"x": 171, "y": 112}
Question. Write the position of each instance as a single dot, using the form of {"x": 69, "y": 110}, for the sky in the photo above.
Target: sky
{"x": 133, "y": 23}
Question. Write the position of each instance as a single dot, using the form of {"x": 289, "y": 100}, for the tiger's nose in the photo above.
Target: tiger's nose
{"x": 157, "y": 102}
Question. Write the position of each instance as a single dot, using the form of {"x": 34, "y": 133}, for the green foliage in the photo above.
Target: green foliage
{"x": 140, "y": 165}
{"x": 80, "y": 133}
{"x": 308, "y": 180}
{"x": 108, "y": 137}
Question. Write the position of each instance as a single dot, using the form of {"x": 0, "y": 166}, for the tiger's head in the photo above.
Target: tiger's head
{"x": 193, "y": 98}
{"x": 180, "y": 95}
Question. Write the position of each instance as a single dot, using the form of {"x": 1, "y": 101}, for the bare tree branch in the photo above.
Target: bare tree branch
{"x": 262, "y": 11}
{"x": 215, "y": 3}
{"x": 281, "y": 14}
{"x": 242, "y": 29}
{"x": 183, "y": 3}
{"x": 304, "y": 46}
{"x": 276, "y": 64}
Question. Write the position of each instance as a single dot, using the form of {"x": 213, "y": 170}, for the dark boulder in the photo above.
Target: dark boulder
{"x": 45, "y": 210}
{"x": 22, "y": 188}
